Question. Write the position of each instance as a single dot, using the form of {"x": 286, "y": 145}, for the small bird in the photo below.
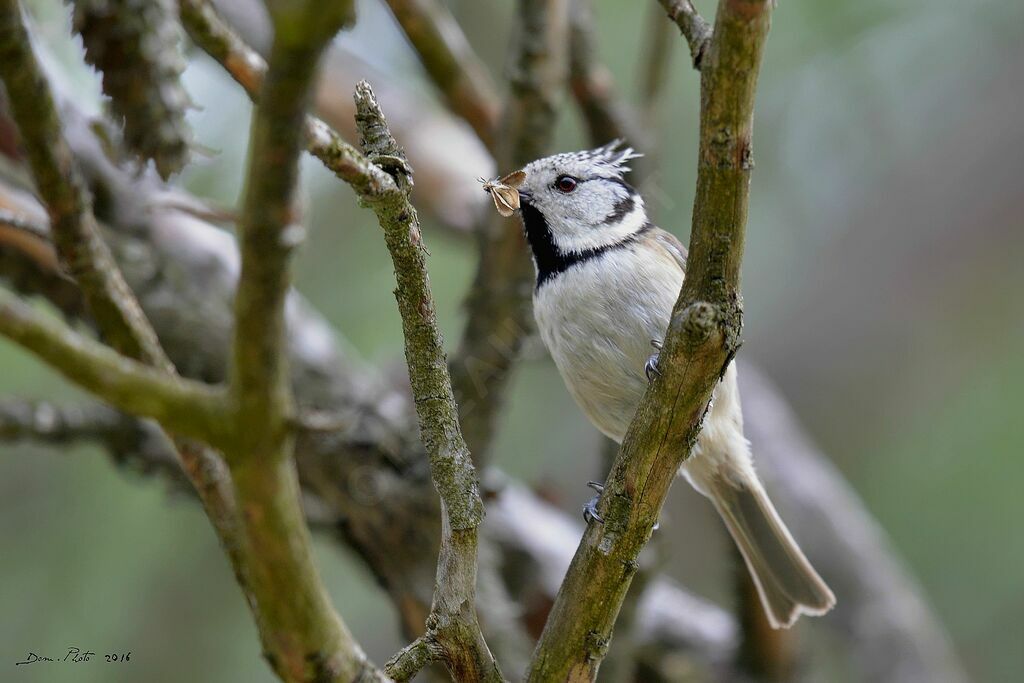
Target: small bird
{"x": 607, "y": 280}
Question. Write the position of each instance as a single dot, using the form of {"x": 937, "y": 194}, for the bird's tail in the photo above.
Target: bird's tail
{"x": 785, "y": 580}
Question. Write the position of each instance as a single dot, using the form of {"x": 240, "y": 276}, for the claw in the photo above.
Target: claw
{"x": 590, "y": 509}
{"x": 651, "y": 368}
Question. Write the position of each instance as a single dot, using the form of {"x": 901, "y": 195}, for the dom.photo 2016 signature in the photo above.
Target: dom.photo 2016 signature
{"x": 76, "y": 655}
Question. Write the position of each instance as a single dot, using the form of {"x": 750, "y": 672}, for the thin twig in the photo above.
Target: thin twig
{"x": 703, "y": 336}
{"x": 451, "y": 63}
{"x": 452, "y": 625}
{"x": 499, "y": 317}
{"x": 693, "y": 27}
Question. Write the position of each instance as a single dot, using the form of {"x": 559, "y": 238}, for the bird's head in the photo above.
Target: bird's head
{"x": 578, "y": 201}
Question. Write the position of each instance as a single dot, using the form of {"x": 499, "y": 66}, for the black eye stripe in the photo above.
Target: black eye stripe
{"x": 621, "y": 209}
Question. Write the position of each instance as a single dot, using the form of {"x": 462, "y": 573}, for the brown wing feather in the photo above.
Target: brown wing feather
{"x": 671, "y": 244}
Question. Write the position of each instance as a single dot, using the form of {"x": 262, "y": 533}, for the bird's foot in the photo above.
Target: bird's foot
{"x": 651, "y": 366}
{"x": 590, "y": 509}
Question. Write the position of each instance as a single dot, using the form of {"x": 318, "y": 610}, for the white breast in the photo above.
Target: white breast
{"x": 598, "y": 319}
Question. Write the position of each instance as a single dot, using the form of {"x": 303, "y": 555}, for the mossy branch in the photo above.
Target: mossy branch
{"x": 453, "y": 632}
{"x": 184, "y": 406}
{"x": 703, "y": 337}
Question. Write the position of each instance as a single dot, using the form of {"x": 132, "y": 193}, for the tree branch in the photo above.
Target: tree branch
{"x": 498, "y": 306}
{"x": 213, "y": 35}
{"x": 303, "y": 637}
{"x": 185, "y": 406}
{"x": 24, "y": 224}
{"x": 702, "y": 338}
{"x": 653, "y": 73}
{"x": 452, "y": 625}
{"x": 83, "y": 253}
{"x": 451, "y": 63}
{"x": 87, "y": 258}
{"x": 693, "y": 27}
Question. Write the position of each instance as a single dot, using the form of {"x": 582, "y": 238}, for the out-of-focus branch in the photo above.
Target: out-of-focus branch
{"x": 453, "y": 631}
{"x": 883, "y": 615}
{"x": 606, "y": 115}
{"x": 653, "y": 73}
{"x": 184, "y": 406}
{"x": 22, "y": 223}
{"x": 248, "y": 68}
{"x": 693, "y": 27}
{"x": 87, "y": 258}
{"x": 303, "y": 636}
{"x": 134, "y": 46}
{"x": 765, "y": 653}
{"x": 451, "y": 63}
{"x": 703, "y": 336}
{"x": 83, "y": 253}
{"x": 498, "y": 305}
{"x": 269, "y": 230}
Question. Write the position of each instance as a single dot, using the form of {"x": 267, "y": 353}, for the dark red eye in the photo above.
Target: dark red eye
{"x": 565, "y": 183}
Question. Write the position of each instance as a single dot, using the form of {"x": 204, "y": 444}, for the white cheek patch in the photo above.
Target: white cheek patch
{"x": 579, "y": 237}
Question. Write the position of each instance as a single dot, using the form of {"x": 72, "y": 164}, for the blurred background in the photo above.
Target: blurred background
{"x": 882, "y": 281}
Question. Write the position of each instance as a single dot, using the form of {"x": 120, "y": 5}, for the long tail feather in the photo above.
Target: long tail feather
{"x": 785, "y": 580}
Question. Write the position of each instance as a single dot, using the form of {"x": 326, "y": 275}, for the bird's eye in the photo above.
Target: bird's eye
{"x": 565, "y": 184}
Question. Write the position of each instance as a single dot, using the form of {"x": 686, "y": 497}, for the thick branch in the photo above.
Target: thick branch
{"x": 452, "y": 624}
{"x": 303, "y": 637}
{"x": 451, "y": 63}
{"x": 269, "y": 230}
{"x": 693, "y": 27}
{"x": 498, "y": 306}
{"x": 702, "y": 339}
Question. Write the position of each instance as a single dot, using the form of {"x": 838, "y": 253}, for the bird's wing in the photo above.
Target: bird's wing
{"x": 671, "y": 244}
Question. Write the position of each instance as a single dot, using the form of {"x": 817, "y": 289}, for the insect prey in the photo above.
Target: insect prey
{"x": 504, "y": 193}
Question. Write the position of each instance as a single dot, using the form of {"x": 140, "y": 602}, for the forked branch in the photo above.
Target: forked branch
{"x": 692, "y": 25}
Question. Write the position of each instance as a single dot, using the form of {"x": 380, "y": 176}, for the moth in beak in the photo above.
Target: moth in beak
{"x": 504, "y": 193}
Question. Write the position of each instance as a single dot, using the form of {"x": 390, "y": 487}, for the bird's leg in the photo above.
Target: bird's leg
{"x": 590, "y": 509}
{"x": 651, "y": 366}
